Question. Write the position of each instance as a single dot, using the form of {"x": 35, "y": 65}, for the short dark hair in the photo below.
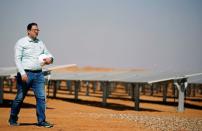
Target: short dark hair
{"x": 29, "y": 26}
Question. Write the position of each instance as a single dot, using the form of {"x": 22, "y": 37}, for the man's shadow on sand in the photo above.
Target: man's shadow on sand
{"x": 7, "y": 104}
{"x": 27, "y": 124}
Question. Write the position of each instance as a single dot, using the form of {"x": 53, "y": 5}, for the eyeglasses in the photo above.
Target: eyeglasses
{"x": 35, "y": 30}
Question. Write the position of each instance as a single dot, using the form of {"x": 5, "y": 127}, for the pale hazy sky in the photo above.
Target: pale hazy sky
{"x": 161, "y": 34}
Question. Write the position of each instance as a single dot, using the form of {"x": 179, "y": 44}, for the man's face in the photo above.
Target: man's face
{"x": 33, "y": 33}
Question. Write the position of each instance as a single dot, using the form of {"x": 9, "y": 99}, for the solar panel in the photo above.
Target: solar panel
{"x": 195, "y": 79}
{"x": 147, "y": 77}
{"x": 125, "y": 76}
{"x": 8, "y": 71}
{"x": 120, "y": 76}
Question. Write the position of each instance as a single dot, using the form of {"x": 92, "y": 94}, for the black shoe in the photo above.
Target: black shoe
{"x": 13, "y": 123}
{"x": 45, "y": 124}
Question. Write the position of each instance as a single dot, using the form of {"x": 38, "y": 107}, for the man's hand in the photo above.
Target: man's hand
{"x": 48, "y": 60}
{"x": 24, "y": 78}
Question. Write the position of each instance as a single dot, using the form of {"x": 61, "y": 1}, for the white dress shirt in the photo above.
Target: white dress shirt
{"x": 27, "y": 52}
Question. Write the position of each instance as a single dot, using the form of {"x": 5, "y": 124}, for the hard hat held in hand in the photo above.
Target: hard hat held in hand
{"x": 42, "y": 58}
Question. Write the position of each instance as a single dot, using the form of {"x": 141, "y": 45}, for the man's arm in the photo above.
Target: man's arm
{"x": 18, "y": 60}
{"x": 18, "y": 57}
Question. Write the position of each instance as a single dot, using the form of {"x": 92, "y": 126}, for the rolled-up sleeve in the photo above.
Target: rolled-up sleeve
{"x": 18, "y": 57}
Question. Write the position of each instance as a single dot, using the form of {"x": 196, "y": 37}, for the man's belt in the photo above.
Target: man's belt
{"x": 45, "y": 72}
{"x": 33, "y": 71}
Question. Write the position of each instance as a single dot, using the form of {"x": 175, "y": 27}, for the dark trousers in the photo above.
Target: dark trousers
{"x": 36, "y": 81}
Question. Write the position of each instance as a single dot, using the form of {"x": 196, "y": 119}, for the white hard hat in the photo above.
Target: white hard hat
{"x": 41, "y": 59}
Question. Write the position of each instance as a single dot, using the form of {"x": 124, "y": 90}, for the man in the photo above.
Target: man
{"x": 27, "y": 52}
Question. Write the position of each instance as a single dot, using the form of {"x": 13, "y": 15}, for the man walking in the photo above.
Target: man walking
{"x": 27, "y": 52}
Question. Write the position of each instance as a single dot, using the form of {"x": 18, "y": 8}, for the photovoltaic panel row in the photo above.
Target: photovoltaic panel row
{"x": 120, "y": 76}
{"x": 131, "y": 77}
{"x": 8, "y": 71}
